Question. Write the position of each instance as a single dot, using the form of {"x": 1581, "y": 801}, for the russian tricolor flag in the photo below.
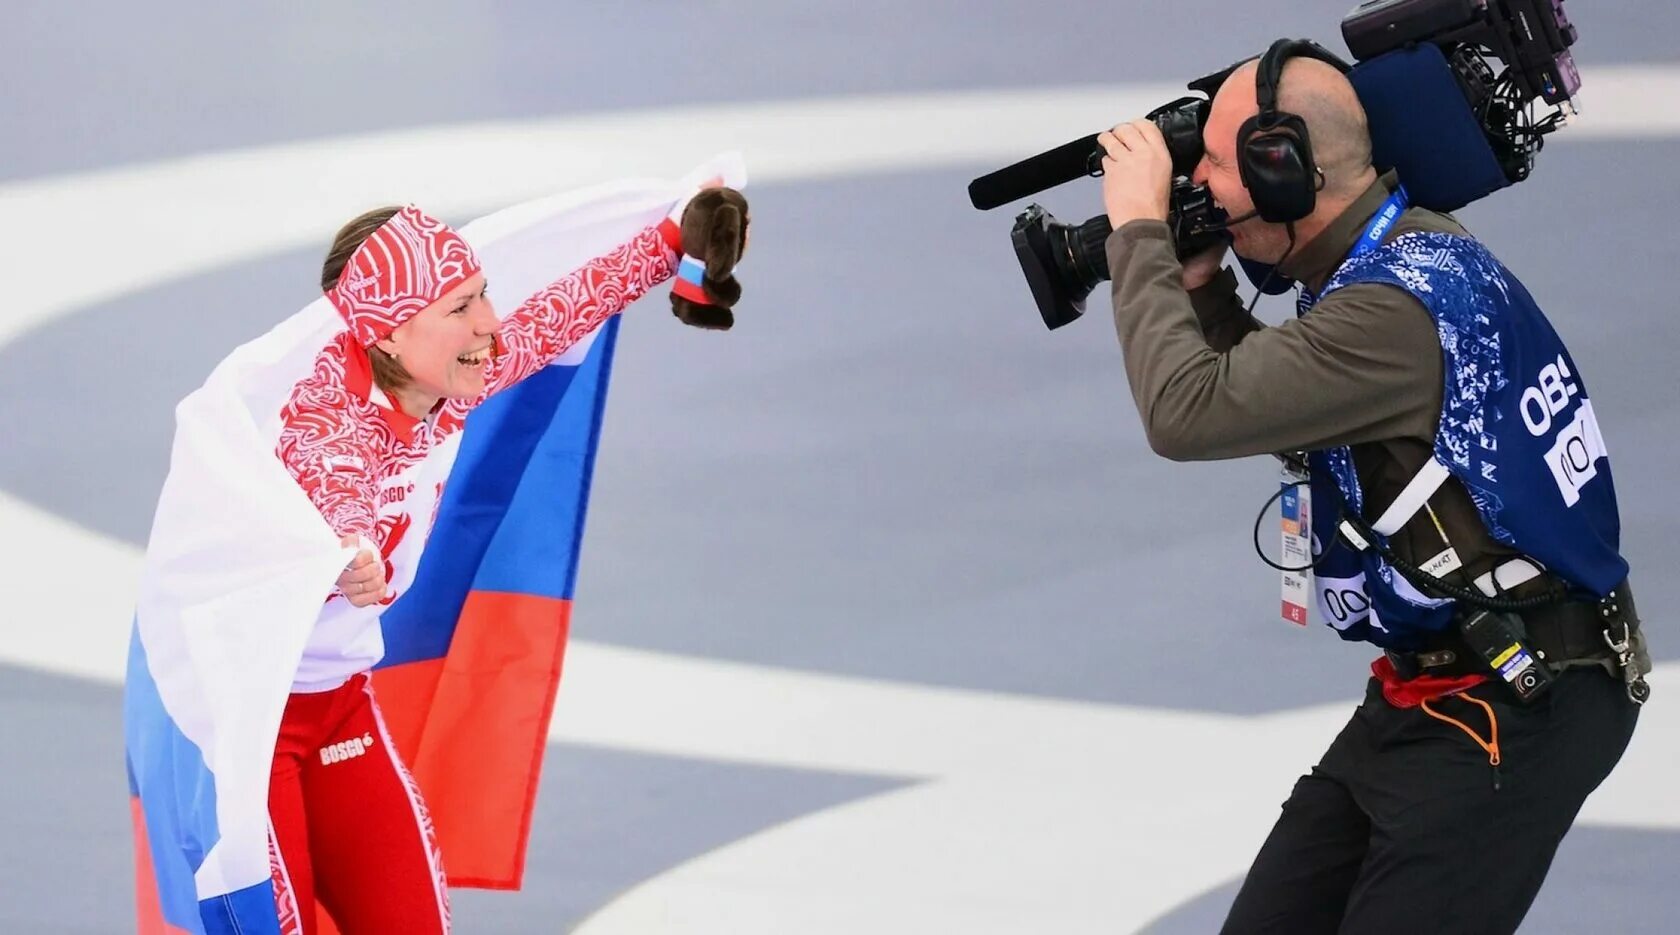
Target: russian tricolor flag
{"x": 238, "y": 562}
{"x": 473, "y": 650}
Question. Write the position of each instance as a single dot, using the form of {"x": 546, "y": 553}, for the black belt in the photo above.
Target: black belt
{"x": 1571, "y": 631}
{"x": 1575, "y": 630}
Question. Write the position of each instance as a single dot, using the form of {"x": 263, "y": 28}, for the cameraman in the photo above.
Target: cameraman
{"x": 1440, "y": 805}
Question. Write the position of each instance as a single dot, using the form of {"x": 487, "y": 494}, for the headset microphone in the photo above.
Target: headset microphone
{"x": 1229, "y": 223}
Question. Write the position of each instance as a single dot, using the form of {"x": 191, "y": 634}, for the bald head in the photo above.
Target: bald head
{"x": 1321, "y": 96}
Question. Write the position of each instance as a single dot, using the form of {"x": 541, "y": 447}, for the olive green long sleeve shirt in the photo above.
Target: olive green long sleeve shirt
{"x": 1363, "y": 369}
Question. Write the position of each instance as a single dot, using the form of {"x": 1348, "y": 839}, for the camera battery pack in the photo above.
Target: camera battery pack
{"x": 1498, "y": 639}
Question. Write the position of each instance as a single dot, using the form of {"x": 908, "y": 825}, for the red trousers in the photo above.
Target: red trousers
{"x": 347, "y": 824}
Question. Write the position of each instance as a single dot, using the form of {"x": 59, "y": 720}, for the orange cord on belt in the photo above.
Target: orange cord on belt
{"x": 1491, "y": 746}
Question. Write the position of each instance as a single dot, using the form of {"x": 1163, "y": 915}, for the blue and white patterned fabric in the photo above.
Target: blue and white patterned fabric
{"x": 1516, "y": 429}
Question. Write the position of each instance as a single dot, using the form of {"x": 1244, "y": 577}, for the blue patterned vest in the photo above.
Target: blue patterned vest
{"x": 1516, "y": 429}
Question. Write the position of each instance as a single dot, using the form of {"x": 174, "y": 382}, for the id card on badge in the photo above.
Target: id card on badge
{"x": 1297, "y": 546}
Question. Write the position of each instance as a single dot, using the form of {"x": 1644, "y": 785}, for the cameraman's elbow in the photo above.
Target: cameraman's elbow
{"x": 1182, "y": 430}
{"x": 1170, "y": 439}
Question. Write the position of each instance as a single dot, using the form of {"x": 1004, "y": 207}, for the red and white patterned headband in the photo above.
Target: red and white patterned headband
{"x": 411, "y": 261}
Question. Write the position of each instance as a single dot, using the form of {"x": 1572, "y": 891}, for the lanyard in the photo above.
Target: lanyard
{"x": 1372, "y": 238}
{"x": 1341, "y": 599}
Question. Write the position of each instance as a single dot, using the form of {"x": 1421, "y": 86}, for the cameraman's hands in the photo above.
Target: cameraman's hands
{"x": 1137, "y": 173}
{"x": 1200, "y": 269}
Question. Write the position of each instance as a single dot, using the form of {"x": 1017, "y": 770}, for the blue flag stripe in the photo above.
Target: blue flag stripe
{"x": 176, "y": 789}
{"x": 512, "y": 516}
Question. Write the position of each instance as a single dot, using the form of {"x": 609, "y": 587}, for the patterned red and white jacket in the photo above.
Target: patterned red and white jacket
{"x": 372, "y": 470}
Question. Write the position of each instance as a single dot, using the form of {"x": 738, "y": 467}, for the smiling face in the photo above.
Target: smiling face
{"x": 1235, "y": 102}
{"x": 1341, "y": 148}
{"x": 445, "y": 347}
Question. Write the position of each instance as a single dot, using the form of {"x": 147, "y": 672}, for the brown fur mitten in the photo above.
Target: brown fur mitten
{"x": 714, "y": 232}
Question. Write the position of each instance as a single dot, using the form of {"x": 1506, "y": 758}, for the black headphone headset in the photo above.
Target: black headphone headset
{"x": 1274, "y": 152}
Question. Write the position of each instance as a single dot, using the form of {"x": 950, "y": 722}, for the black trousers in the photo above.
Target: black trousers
{"x": 1400, "y": 827}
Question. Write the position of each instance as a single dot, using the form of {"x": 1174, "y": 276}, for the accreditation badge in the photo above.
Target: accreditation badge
{"x": 1297, "y": 556}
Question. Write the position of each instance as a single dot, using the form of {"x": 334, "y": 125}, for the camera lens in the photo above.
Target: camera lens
{"x": 1062, "y": 263}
